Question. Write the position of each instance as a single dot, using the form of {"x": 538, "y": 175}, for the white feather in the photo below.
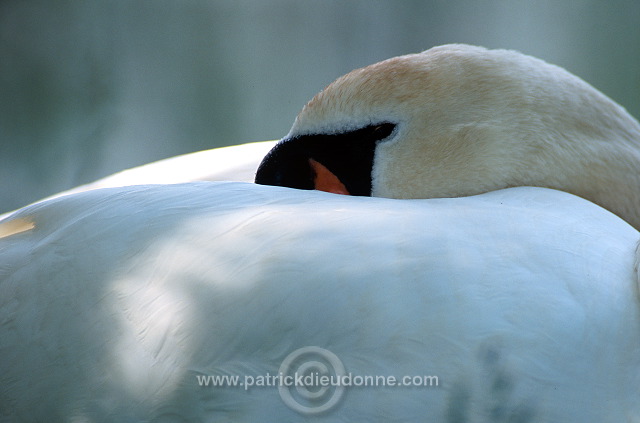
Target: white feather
{"x": 521, "y": 301}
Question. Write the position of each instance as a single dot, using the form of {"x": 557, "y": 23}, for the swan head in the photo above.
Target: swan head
{"x": 460, "y": 120}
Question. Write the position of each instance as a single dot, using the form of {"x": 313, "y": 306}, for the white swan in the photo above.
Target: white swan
{"x": 461, "y": 120}
{"x": 117, "y": 304}
{"x": 114, "y": 301}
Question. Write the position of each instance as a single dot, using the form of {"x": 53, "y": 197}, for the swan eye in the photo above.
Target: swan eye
{"x": 381, "y": 131}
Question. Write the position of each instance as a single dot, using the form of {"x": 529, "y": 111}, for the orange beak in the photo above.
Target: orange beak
{"x": 325, "y": 180}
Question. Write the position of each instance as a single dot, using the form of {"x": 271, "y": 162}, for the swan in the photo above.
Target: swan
{"x": 514, "y": 304}
{"x": 460, "y": 120}
{"x": 119, "y": 304}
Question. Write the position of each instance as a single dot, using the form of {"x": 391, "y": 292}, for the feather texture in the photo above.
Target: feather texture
{"x": 520, "y": 301}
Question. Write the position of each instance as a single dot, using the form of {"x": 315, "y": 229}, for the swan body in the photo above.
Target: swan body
{"x": 118, "y": 304}
{"x": 461, "y": 120}
{"x": 521, "y": 301}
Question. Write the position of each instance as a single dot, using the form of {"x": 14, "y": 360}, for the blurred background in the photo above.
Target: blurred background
{"x": 91, "y": 87}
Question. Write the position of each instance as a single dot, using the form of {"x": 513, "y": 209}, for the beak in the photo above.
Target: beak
{"x": 339, "y": 163}
{"x": 290, "y": 165}
{"x": 325, "y": 180}
{"x": 286, "y": 165}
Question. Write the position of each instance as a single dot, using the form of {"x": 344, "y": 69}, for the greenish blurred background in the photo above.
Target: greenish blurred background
{"x": 88, "y": 88}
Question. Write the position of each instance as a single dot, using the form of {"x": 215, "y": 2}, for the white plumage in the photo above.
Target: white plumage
{"x": 521, "y": 301}
{"x": 116, "y": 304}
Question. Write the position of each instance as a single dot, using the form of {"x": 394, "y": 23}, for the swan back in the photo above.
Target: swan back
{"x": 520, "y": 301}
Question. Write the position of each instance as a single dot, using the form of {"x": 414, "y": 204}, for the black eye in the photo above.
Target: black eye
{"x": 381, "y": 131}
